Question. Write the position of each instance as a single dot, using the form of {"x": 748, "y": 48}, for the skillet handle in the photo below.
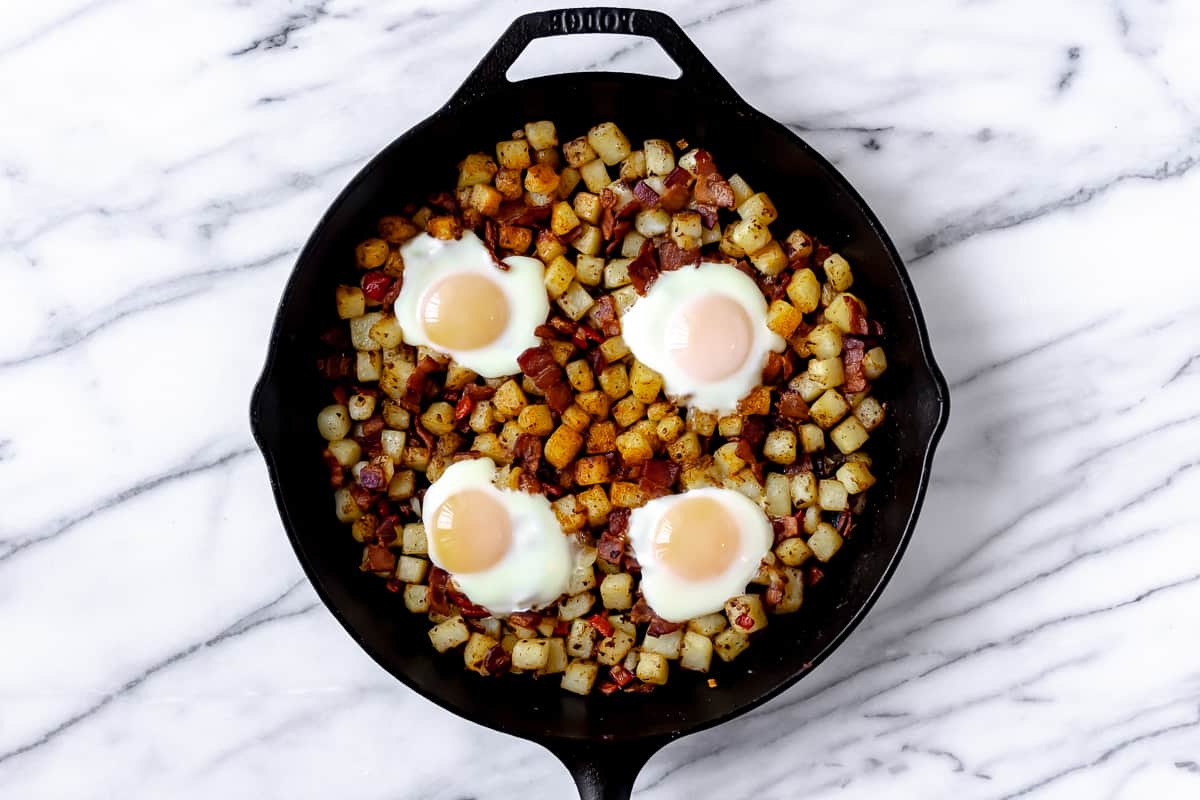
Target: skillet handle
{"x": 695, "y": 70}
{"x": 605, "y": 770}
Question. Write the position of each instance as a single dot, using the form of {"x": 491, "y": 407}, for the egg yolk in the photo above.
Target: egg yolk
{"x": 710, "y": 337}
{"x": 471, "y": 531}
{"x": 697, "y": 538}
{"x": 464, "y": 312}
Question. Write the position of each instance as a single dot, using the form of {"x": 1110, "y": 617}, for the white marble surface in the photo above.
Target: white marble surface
{"x": 160, "y": 164}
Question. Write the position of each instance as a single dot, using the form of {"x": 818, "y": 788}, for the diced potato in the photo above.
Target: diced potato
{"x": 444, "y": 227}
{"x": 811, "y": 519}
{"x": 747, "y": 483}
{"x": 576, "y": 301}
{"x": 609, "y": 143}
{"x": 416, "y": 598}
{"x": 360, "y": 406}
{"x": 596, "y": 505}
{"x": 579, "y": 676}
{"x": 485, "y": 199}
{"x": 745, "y": 613}
{"x": 804, "y": 489}
{"x": 333, "y": 422}
{"x": 581, "y": 639}
{"x": 616, "y": 273}
{"x": 601, "y": 438}
{"x": 849, "y": 435}
{"x": 541, "y": 134}
{"x": 702, "y": 422}
{"x": 730, "y": 426}
{"x": 837, "y": 270}
{"x": 829, "y": 408}
{"x": 560, "y": 273}
{"x": 874, "y": 363}
{"x": 345, "y": 451}
{"x": 591, "y": 470}
{"x": 699, "y": 475}
{"x": 780, "y": 446}
{"x": 589, "y": 269}
{"x": 758, "y": 207}
{"x": 489, "y": 444}
{"x": 750, "y": 235}
{"x": 570, "y": 515}
{"x": 778, "y": 494}
{"x": 793, "y": 552}
{"x": 614, "y": 381}
{"x": 612, "y": 650}
{"x": 563, "y": 218}
{"x": 644, "y": 382}
{"x": 783, "y": 318}
{"x": 616, "y": 591}
{"x": 660, "y": 157}
{"x": 825, "y": 341}
{"x": 669, "y": 428}
{"x": 360, "y": 331}
{"x": 576, "y": 418}
{"x": 476, "y": 168}
{"x": 562, "y": 446}
{"x": 758, "y": 401}
{"x": 531, "y": 654}
{"x": 652, "y": 668}
{"x": 371, "y": 253}
{"x": 827, "y": 372}
{"x": 741, "y": 190}
{"x": 579, "y": 375}
{"x": 368, "y": 366}
{"x": 351, "y": 302}
{"x": 812, "y": 438}
{"x": 614, "y": 348}
{"x": 770, "y": 260}
{"x": 556, "y": 657}
{"x": 438, "y": 419}
{"x": 685, "y": 449}
{"x": 793, "y": 592}
{"x": 730, "y": 643}
{"x": 870, "y": 413}
{"x": 508, "y": 183}
{"x": 660, "y": 409}
{"x": 825, "y": 542}
{"x": 634, "y": 166}
{"x": 727, "y": 459}
{"x": 708, "y": 625}
{"x": 686, "y": 229}
{"x": 855, "y": 476}
{"x": 413, "y": 541}
{"x": 515, "y": 238}
{"x": 449, "y": 634}
{"x": 541, "y": 181}
{"x": 666, "y": 645}
{"x": 402, "y": 486}
{"x": 832, "y": 495}
{"x": 411, "y": 569}
{"x": 652, "y": 222}
{"x": 513, "y": 154}
{"x": 844, "y": 310}
{"x": 696, "y": 652}
{"x": 595, "y": 175}
{"x": 625, "y": 297}
{"x": 626, "y": 495}
{"x": 587, "y": 207}
{"x": 594, "y": 402}
{"x": 536, "y": 419}
{"x": 804, "y": 290}
{"x": 576, "y": 606}
{"x": 634, "y": 447}
{"x": 568, "y": 179}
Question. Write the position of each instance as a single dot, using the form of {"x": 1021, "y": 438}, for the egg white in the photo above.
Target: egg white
{"x": 427, "y": 260}
{"x": 678, "y": 599}
{"x": 644, "y": 328}
{"x": 535, "y": 570}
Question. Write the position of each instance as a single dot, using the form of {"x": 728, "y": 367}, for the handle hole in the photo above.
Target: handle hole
{"x": 607, "y": 52}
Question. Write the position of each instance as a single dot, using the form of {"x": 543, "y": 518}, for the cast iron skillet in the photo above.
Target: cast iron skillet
{"x": 604, "y": 741}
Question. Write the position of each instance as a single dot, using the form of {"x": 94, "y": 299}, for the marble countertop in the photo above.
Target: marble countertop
{"x": 160, "y": 166}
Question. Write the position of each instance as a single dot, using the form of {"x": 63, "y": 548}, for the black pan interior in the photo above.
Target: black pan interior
{"x": 808, "y": 193}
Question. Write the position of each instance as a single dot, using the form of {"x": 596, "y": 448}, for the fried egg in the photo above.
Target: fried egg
{"x": 698, "y": 549}
{"x": 504, "y": 549}
{"x": 704, "y": 329}
{"x": 456, "y": 300}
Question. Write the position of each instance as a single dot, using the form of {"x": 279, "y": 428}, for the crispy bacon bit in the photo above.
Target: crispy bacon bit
{"x": 618, "y": 521}
{"x": 631, "y": 564}
{"x": 712, "y": 683}
{"x": 604, "y": 312}
{"x": 362, "y": 496}
{"x": 672, "y": 257}
{"x": 491, "y": 235}
{"x": 498, "y": 660}
{"x": 608, "y": 687}
{"x": 678, "y": 177}
{"x": 386, "y": 529}
{"x": 619, "y": 232}
{"x": 414, "y": 389}
{"x": 529, "y": 482}
{"x": 844, "y": 523}
{"x": 601, "y": 623}
{"x": 538, "y": 364}
{"x": 773, "y": 372}
{"x": 463, "y": 408}
{"x": 525, "y": 619}
{"x": 528, "y": 449}
{"x": 820, "y": 253}
{"x": 704, "y": 162}
{"x": 372, "y": 477}
{"x": 792, "y": 406}
{"x": 754, "y": 431}
{"x": 378, "y": 558}
{"x": 478, "y": 392}
{"x": 785, "y": 528}
{"x": 337, "y": 475}
{"x": 658, "y": 476}
{"x": 743, "y": 266}
{"x": 852, "y": 361}
{"x": 645, "y": 194}
{"x": 708, "y": 214}
{"x": 394, "y": 585}
{"x": 621, "y": 675}
{"x": 469, "y": 610}
{"x": 660, "y": 627}
{"x": 375, "y": 285}
{"x": 640, "y": 612}
{"x": 439, "y": 602}
{"x": 445, "y": 201}
{"x": 515, "y": 212}
{"x": 611, "y": 546}
{"x": 674, "y": 198}
{"x": 775, "y": 589}
{"x": 745, "y": 621}
{"x": 714, "y": 190}
{"x": 562, "y": 627}
{"x": 813, "y": 575}
{"x": 858, "y": 321}
{"x": 340, "y": 395}
{"x": 643, "y": 270}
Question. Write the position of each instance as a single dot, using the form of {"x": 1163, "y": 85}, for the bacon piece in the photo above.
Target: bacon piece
{"x": 619, "y": 232}
{"x": 852, "y": 362}
{"x": 337, "y": 338}
{"x": 844, "y": 523}
{"x": 336, "y": 367}
{"x": 414, "y": 389}
{"x": 674, "y": 198}
{"x": 714, "y": 190}
{"x": 776, "y": 588}
{"x": 609, "y": 687}
{"x": 678, "y": 177}
{"x": 630, "y": 564}
{"x": 609, "y": 200}
{"x": 792, "y": 406}
{"x": 386, "y": 529}
{"x": 754, "y": 431}
{"x": 820, "y": 253}
{"x": 621, "y": 675}
{"x": 478, "y": 392}
{"x": 337, "y": 475}
{"x": 362, "y": 496}
{"x": 372, "y": 477}
{"x": 469, "y": 609}
{"x": 658, "y": 476}
{"x": 601, "y": 623}
{"x": 645, "y": 194}
{"x": 538, "y": 364}
{"x": 525, "y": 619}
{"x": 378, "y": 558}
{"x": 813, "y": 575}
{"x": 773, "y": 372}
{"x": 640, "y": 612}
{"x": 528, "y": 449}
{"x": 858, "y": 320}
{"x": 491, "y": 235}
{"x": 708, "y": 214}
{"x": 604, "y": 312}
{"x": 644, "y": 269}
{"x": 672, "y": 257}
{"x": 515, "y": 212}
{"x": 704, "y": 162}
{"x": 376, "y": 285}
{"x": 785, "y": 528}
{"x": 660, "y": 627}
{"x": 497, "y": 661}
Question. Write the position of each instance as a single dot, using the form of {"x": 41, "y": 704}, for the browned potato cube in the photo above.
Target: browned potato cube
{"x": 685, "y": 449}
{"x": 745, "y": 613}
{"x": 758, "y": 401}
{"x": 579, "y": 375}
{"x": 870, "y": 413}
{"x": 578, "y": 151}
{"x": 616, "y": 591}
{"x": 825, "y": 542}
{"x": 609, "y": 143}
{"x": 536, "y": 419}
{"x": 449, "y": 634}
{"x": 855, "y": 476}
{"x": 660, "y": 157}
{"x": 668, "y": 429}
{"x": 614, "y": 381}
{"x": 750, "y": 235}
{"x": 847, "y": 312}
{"x": 485, "y": 199}
{"x": 581, "y": 639}
{"x": 758, "y": 207}
{"x": 780, "y": 446}
{"x": 628, "y": 410}
{"x": 513, "y": 154}
{"x": 686, "y": 229}
{"x": 783, "y": 318}
{"x": 804, "y": 290}
{"x": 541, "y": 134}
{"x": 701, "y": 422}
{"x": 812, "y": 438}
{"x": 596, "y": 505}
{"x": 371, "y": 253}
{"x": 730, "y": 425}
{"x": 594, "y": 402}
{"x": 849, "y": 435}
{"x": 508, "y": 400}
{"x": 402, "y": 486}
{"x": 730, "y": 643}
{"x": 368, "y": 366}
{"x": 575, "y": 301}
{"x": 874, "y": 363}
{"x": 613, "y": 649}
{"x": 799, "y": 244}
{"x": 634, "y": 448}
{"x": 614, "y": 348}
{"x": 438, "y": 419}
{"x": 541, "y": 179}
{"x": 837, "y": 270}
{"x": 595, "y": 176}
{"x": 571, "y": 516}
{"x": 634, "y": 166}
{"x": 445, "y": 228}
{"x": 576, "y": 418}
{"x": 386, "y": 331}
{"x": 476, "y": 168}
{"x": 508, "y": 183}
{"x": 397, "y": 230}
{"x": 562, "y": 446}
{"x": 804, "y": 488}
{"x": 652, "y": 668}
{"x": 626, "y": 495}
{"x": 416, "y": 598}
{"x": 560, "y": 274}
{"x": 652, "y": 222}
{"x": 770, "y": 260}
{"x": 579, "y": 676}
{"x": 793, "y": 552}
{"x": 829, "y": 408}
{"x": 350, "y": 302}
{"x": 696, "y": 652}
{"x": 602, "y": 438}
{"x": 591, "y": 470}
{"x": 515, "y": 238}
